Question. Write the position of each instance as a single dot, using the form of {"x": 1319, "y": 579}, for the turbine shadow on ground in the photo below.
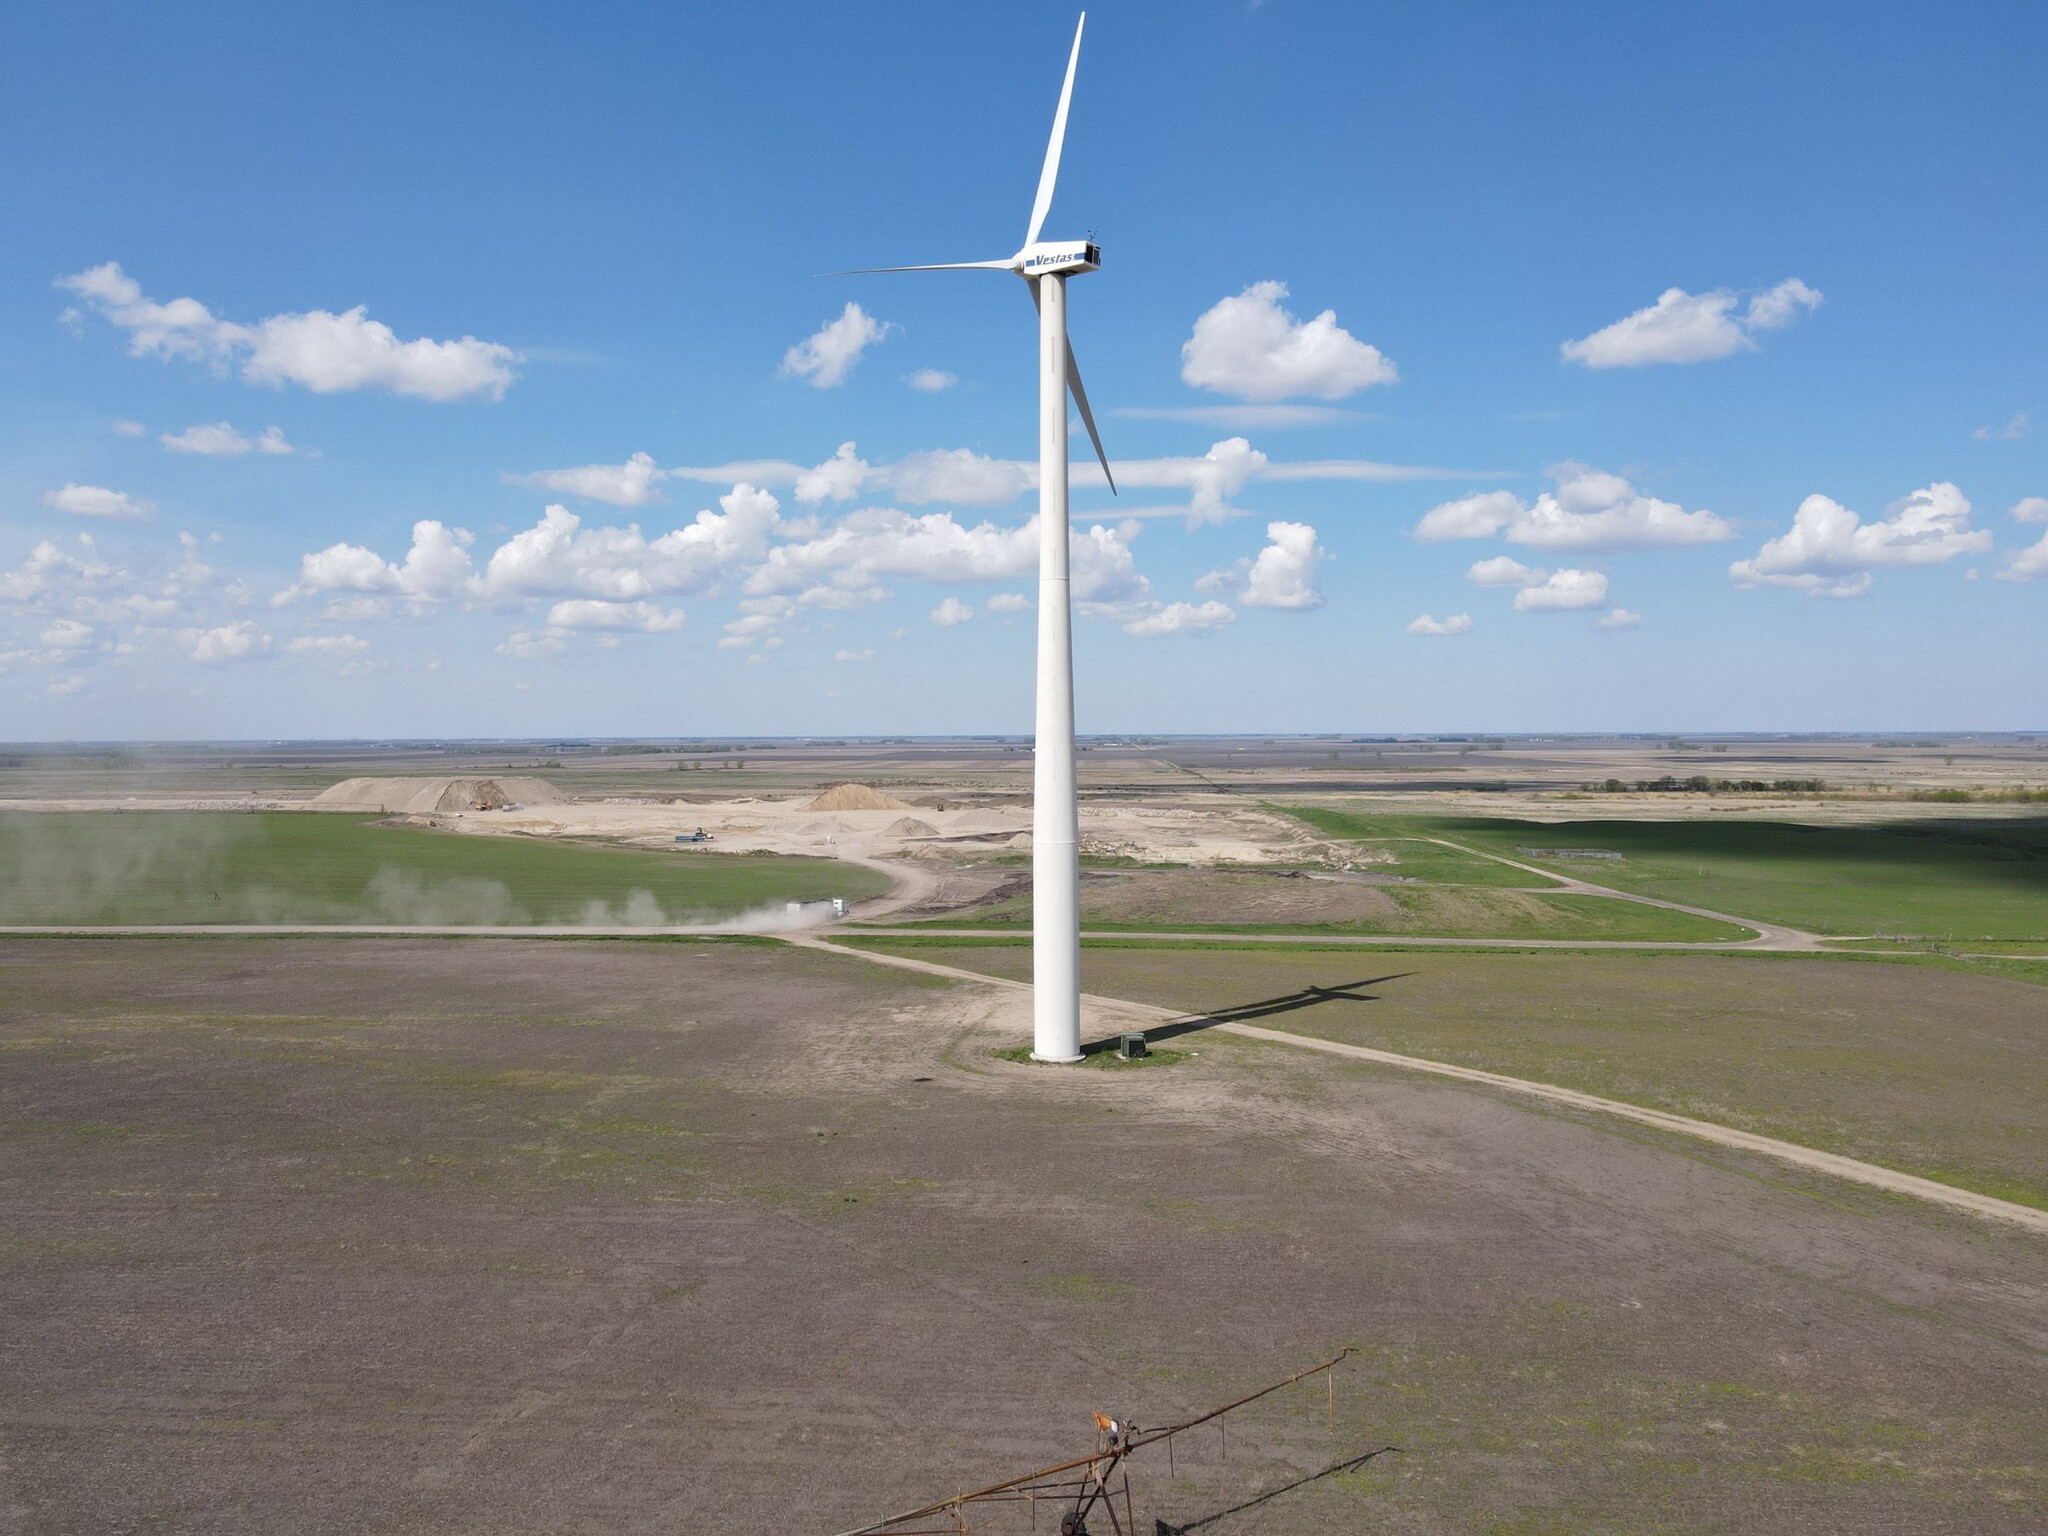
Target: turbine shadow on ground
{"x": 1349, "y": 1464}
{"x": 1243, "y": 1013}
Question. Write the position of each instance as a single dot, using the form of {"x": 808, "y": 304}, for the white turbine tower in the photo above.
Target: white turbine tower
{"x": 1055, "y": 828}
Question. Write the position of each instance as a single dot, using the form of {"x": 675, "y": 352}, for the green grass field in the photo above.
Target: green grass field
{"x": 1928, "y": 879}
{"x": 225, "y": 867}
{"x": 1456, "y": 912}
{"x": 1927, "y": 1070}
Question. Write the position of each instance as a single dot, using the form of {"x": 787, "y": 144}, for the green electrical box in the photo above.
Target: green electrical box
{"x": 1132, "y": 1045}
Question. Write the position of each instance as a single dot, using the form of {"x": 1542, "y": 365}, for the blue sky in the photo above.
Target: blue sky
{"x": 1751, "y": 296}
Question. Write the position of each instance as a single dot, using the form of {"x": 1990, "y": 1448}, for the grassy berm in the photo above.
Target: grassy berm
{"x": 493, "y": 1235}
{"x": 99, "y": 867}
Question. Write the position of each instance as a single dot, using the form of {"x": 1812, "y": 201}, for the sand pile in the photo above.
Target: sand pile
{"x": 420, "y": 796}
{"x": 910, "y": 826}
{"x": 857, "y": 797}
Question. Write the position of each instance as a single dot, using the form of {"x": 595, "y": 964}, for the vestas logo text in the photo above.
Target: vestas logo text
{"x": 1057, "y": 257}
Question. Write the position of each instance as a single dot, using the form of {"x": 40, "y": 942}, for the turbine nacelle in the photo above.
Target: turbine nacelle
{"x": 1043, "y": 258}
{"x": 1055, "y": 256}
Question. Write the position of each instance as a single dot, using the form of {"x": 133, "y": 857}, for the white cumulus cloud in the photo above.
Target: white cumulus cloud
{"x": 318, "y": 349}
{"x": 2031, "y": 509}
{"x": 1456, "y": 624}
{"x": 436, "y": 567}
{"x": 1008, "y": 602}
{"x": 595, "y": 613}
{"x": 221, "y": 441}
{"x": 558, "y": 555}
{"x": 867, "y": 655}
{"x": 630, "y": 484}
{"x": 952, "y": 611}
{"x": 225, "y": 642}
{"x": 1590, "y": 509}
{"x": 1504, "y": 571}
{"x": 1563, "y": 590}
{"x": 958, "y": 475}
{"x": 839, "y": 478}
{"x": 1686, "y": 327}
{"x": 1181, "y": 619}
{"x": 879, "y": 542}
{"x": 1830, "y": 552}
{"x": 1479, "y": 516}
{"x": 2028, "y": 564}
{"x": 932, "y": 380}
{"x": 2012, "y": 431}
{"x": 98, "y": 501}
{"x": 534, "y": 644}
{"x": 1283, "y": 575}
{"x": 1618, "y": 618}
{"x": 1250, "y": 347}
{"x": 67, "y": 635}
{"x": 332, "y": 646}
{"x": 826, "y": 358}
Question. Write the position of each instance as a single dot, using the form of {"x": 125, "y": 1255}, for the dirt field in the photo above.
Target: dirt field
{"x": 506, "y": 1236}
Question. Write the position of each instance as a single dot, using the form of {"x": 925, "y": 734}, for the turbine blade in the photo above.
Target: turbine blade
{"x": 1008, "y": 265}
{"x": 1088, "y": 416}
{"x": 1051, "y": 173}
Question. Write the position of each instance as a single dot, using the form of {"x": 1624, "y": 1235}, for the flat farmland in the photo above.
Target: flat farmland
{"x": 1936, "y": 879}
{"x": 101, "y": 867}
{"x": 368, "y": 1235}
{"x": 1233, "y": 901}
{"x": 1930, "y": 1071}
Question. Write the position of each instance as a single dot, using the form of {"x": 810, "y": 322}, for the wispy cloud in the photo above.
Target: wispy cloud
{"x": 220, "y": 440}
{"x": 2012, "y": 431}
{"x": 1686, "y": 327}
{"x": 1244, "y": 418}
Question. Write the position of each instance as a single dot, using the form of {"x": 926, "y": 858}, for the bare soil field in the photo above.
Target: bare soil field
{"x": 500, "y": 1235}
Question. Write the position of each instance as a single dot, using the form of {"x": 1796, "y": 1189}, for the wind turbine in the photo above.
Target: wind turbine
{"x": 1055, "y": 823}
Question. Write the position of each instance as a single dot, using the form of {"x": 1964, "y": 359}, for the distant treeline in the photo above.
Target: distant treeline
{"x": 1700, "y": 784}
{"x": 2020, "y": 796}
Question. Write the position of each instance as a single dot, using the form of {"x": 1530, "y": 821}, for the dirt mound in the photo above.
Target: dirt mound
{"x": 910, "y": 826}
{"x": 420, "y": 796}
{"x": 857, "y": 797}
